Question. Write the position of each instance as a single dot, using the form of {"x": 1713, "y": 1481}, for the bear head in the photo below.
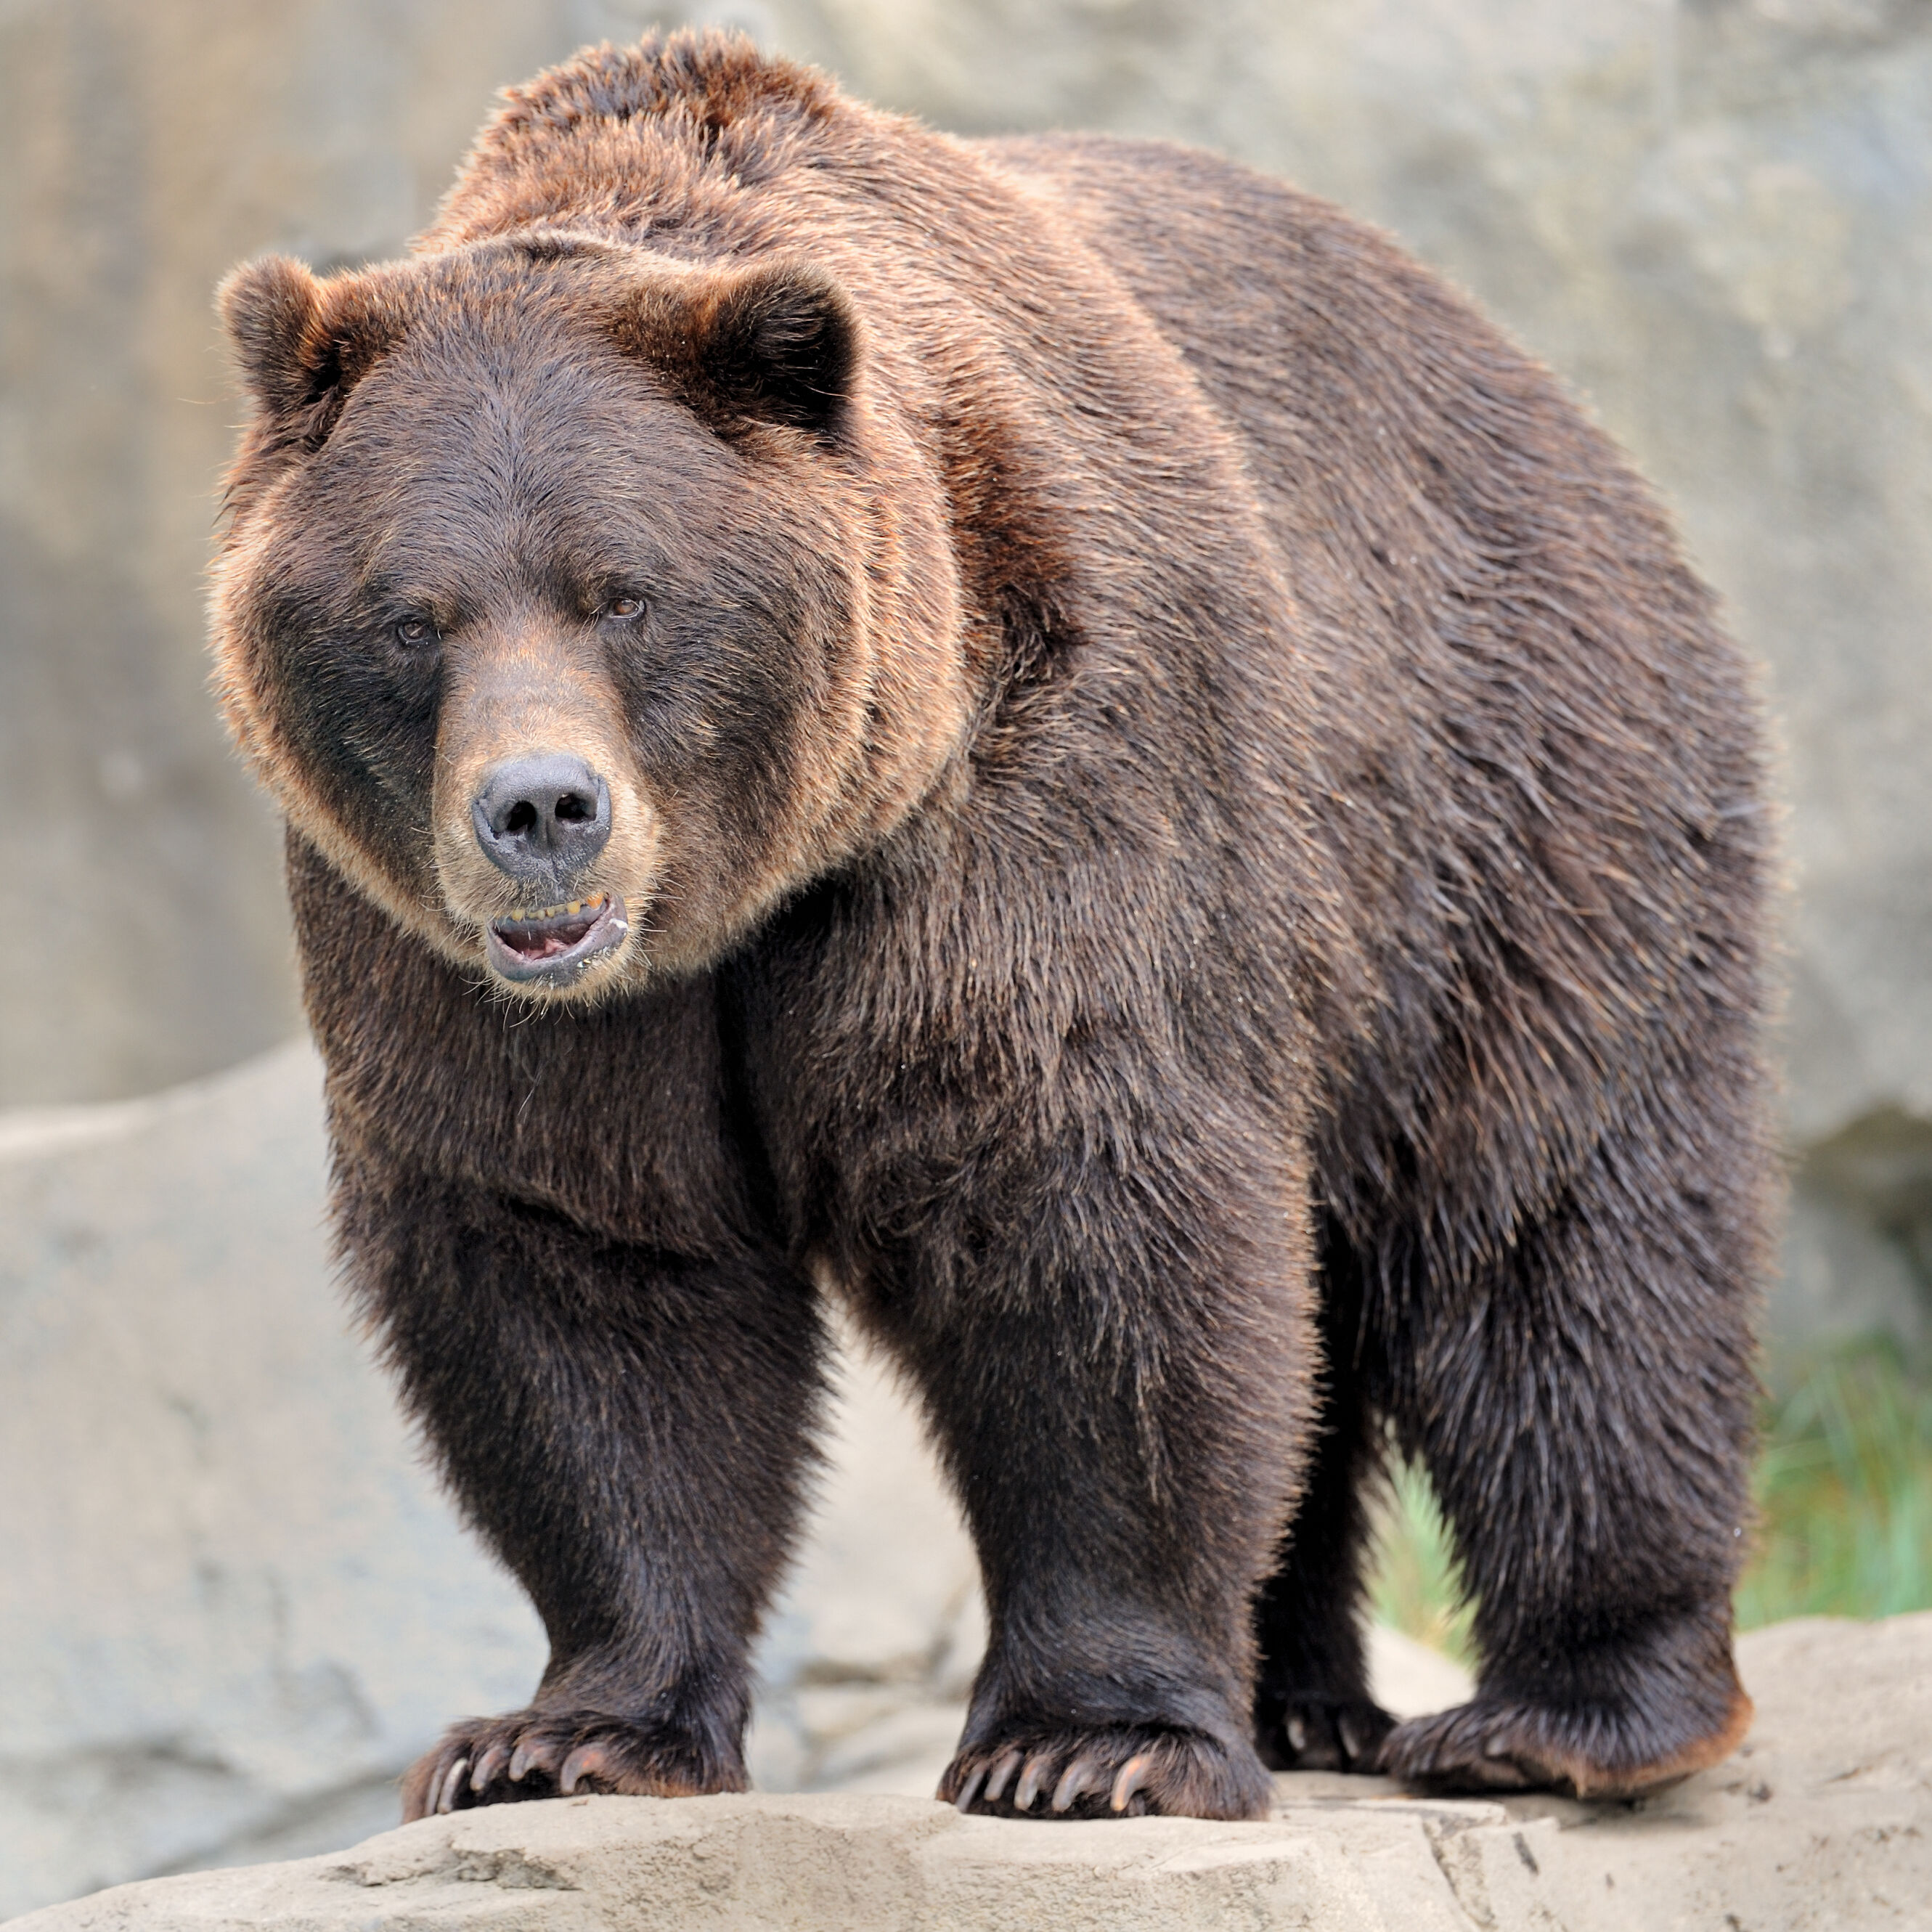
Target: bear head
{"x": 577, "y": 603}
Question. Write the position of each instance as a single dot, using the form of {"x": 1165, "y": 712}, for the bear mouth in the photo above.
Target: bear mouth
{"x": 553, "y": 947}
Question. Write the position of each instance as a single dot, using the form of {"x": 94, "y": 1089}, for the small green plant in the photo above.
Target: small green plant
{"x": 1418, "y": 1583}
{"x": 1843, "y": 1491}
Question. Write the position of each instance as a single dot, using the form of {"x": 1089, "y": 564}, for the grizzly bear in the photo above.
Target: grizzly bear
{"x": 1047, "y": 738}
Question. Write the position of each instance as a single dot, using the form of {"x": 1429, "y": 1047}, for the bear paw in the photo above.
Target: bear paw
{"x": 1107, "y": 1772}
{"x": 538, "y": 1753}
{"x": 1596, "y": 1751}
{"x": 1315, "y": 1733}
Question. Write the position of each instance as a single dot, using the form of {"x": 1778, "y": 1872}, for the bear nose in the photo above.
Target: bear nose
{"x": 540, "y": 818}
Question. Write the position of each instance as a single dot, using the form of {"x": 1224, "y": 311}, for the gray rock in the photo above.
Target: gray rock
{"x": 233, "y": 1605}
{"x": 1858, "y": 1258}
{"x": 757, "y": 1863}
{"x": 1820, "y": 1820}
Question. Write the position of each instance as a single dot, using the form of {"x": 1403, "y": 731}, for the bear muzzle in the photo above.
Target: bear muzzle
{"x": 542, "y": 821}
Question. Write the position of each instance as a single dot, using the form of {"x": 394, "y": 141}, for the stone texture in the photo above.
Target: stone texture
{"x": 232, "y": 1605}
{"x": 858, "y": 1862}
{"x": 1824, "y": 1820}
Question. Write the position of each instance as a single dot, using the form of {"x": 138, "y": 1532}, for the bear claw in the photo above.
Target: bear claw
{"x": 546, "y": 1754}
{"x": 1001, "y": 1776}
{"x": 1076, "y": 1781}
{"x": 1605, "y": 1752}
{"x": 586, "y": 1761}
{"x": 1109, "y": 1772}
{"x": 443, "y": 1788}
{"x": 1131, "y": 1776}
{"x": 1324, "y": 1733}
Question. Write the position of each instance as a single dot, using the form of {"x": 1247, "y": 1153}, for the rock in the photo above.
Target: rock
{"x": 1857, "y": 1256}
{"x": 233, "y": 1605}
{"x": 1825, "y": 1818}
{"x": 858, "y": 1863}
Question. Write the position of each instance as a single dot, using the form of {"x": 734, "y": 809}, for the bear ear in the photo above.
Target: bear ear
{"x": 270, "y": 309}
{"x": 302, "y": 344}
{"x": 776, "y": 344}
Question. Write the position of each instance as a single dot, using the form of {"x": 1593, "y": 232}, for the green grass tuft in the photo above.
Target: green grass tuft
{"x": 1844, "y": 1494}
{"x": 1843, "y": 1491}
{"x": 1417, "y": 1587}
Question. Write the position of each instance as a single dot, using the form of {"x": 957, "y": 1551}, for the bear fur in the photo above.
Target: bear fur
{"x": 1144, "y": 800}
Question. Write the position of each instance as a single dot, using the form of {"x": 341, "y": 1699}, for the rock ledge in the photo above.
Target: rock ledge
{"x": 1824, "y": 1818}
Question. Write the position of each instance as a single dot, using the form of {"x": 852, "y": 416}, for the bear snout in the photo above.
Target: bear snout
{"x": 542, "y": 820}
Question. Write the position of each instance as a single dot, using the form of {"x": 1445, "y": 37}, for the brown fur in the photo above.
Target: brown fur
{"x": 1192, "y": 844}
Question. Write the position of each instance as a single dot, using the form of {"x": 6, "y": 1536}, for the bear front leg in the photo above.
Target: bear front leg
{"x": 628, "y": 1429}
{"x": 1120, "y": 1379}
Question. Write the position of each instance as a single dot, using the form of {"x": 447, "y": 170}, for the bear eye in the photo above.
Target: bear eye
{"x": 414, "y": 632}
{"x": 625, "y": 608}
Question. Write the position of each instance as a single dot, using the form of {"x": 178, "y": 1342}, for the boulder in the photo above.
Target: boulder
{"x": 1821, "y": 1820}
{"x": 233, "y": 1605}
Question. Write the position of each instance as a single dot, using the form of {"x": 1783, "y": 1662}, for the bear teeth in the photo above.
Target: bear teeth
{"x": 569, "y": 911}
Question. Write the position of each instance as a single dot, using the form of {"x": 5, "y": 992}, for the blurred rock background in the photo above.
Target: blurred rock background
{"x": 231, "y": 1603}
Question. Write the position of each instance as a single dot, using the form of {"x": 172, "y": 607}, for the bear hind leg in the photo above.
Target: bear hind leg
{"x": 1585, "y": 1413}
{"x": 1645, "y": 1711}
{"x": 1314, "y": 1709}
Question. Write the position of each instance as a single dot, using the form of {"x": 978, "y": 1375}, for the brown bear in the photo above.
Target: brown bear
{"x": 1048, "y": 737}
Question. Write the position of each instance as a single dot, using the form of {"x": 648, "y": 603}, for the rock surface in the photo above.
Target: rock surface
{"x": 1825, "y": 1819}
{"x": 231, "y": 1603}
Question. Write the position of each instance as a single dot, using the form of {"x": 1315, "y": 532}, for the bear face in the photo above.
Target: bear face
{"x": 572, "y": 605}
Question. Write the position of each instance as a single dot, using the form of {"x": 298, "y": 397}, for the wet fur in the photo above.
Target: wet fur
{"x": 1256, "y": 944}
